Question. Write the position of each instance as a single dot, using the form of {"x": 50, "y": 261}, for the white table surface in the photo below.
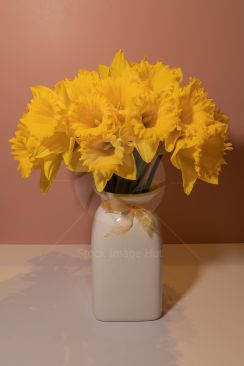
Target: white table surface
{"x": 46, "y": 317}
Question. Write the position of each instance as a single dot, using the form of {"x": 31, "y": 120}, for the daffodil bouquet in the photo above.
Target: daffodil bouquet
{"x": 117, "y": 122}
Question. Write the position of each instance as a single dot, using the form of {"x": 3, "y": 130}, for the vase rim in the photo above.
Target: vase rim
{"x": 156, "y": 189}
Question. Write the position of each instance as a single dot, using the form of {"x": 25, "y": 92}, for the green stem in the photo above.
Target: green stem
{"x": 140, "y": 181}
{"x": 121, "y": 185}
{"x": 141, "y": 170}
{"x": 152, "y": 172}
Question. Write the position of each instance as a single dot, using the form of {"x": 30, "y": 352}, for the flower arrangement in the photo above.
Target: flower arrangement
{"x": 116, "y": 124}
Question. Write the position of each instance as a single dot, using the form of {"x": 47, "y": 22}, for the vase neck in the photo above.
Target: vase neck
{"x": 150, "y": 200}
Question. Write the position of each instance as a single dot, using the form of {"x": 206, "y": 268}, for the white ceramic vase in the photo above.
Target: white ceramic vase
{"x": 126, "y": 266}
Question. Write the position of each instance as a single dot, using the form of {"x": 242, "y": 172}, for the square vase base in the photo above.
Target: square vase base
{"x": 127, "y": 283}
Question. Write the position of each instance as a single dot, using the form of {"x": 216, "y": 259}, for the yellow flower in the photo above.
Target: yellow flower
{"x": 210, "y": 152}
{"x": 158, "y": 77}
{"x": 33, "y": 153}
{"x": 25, "y": 148}
{"x": 105, "y": 156}
{"x": 197, "y": 109}
{"x": 44, "y": 113}
{"x": 119, "y": 84}
{"x": 91, "y": 114}
{"x": 152, "y": 119}
{"x": 120, "y": 92}
{"x": 201, "y": 156}
{"x": 83, "y": 84}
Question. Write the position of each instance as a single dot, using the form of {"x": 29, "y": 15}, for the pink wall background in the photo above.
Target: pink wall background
{"x": 45, "y": 41}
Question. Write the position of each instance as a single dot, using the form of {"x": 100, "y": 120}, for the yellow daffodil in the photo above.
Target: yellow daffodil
{"x": 120, "y": 91}
{"x": 92, "y": 114}
{"x": 152, "y": 118}
{"x": 43, "y": 113}
{"x": 201, "y": 156}
{"x": 197, "y": 109}
{"x": 105, "y": 156}
{"x": 158, "y": 77}
{"x": 33, "y": 153}
{"x": 119, "y": 84}
{"x": 25, "y": 148}
{"x": 83, "y": 84}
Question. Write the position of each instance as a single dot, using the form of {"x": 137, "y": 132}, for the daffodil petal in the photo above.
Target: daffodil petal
{"x": 128, "y": 168}
{"x": 100, "y": 180}
{"x": 183, "y": 159}
{"x": 48, "y": 172}
{"x": 147, "y": 149}
{"x": 119, "y": 64}
{"x": 170, "y": 141}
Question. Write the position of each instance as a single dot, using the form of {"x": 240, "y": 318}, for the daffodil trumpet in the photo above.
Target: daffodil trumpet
{"x": 115, "y": 122}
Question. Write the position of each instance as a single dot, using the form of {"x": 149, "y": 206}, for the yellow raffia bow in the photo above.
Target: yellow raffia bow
{"x": 128, "y": 212}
